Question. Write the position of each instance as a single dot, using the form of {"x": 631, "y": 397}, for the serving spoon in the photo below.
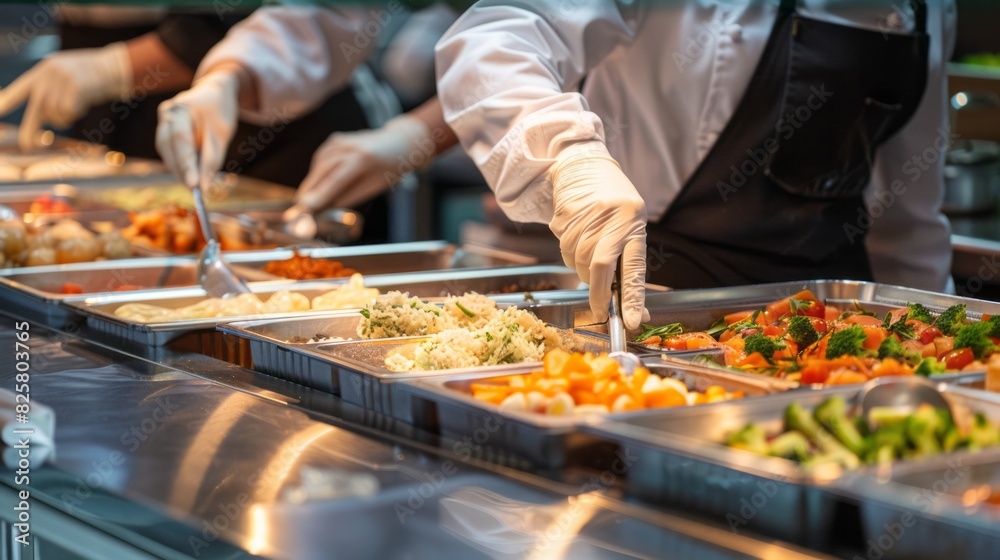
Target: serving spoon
{"x": 616, "y": 327}
{"x": 901, "y": 393}
{"x": 214, "y": 274}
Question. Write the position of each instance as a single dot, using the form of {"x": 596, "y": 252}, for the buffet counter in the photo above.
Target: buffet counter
{"x": 194, "y": 457}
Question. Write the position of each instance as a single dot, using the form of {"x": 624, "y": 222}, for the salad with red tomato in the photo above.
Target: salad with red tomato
{"x": 802, "y": 339}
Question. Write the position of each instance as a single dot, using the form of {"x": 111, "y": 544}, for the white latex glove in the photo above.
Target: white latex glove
{"x": 353, "y": 167}
{"x": 599, "y": 216}
{"x": 64, "y": 85}
{"x": 196, "y": 126}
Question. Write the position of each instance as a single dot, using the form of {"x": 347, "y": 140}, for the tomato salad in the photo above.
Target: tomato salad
{"x": 802, "y": 339}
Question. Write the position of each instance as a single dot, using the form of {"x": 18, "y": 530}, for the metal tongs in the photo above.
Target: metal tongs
{"x": 214, "y": 273}
{"x": 616, "y": 327}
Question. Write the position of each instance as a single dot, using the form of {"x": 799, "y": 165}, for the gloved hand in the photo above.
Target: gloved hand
{"x": 353, "y": 167}
{"x": 598, "y": 216}
{"x": 196, "y": 126}
{"x": 63, "y": 86}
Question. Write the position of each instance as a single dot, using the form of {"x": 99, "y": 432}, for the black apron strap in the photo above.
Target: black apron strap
{"x": 788, "y": 6}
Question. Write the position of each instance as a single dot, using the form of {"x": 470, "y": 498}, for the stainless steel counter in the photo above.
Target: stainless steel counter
{"x": 198, "y": 458}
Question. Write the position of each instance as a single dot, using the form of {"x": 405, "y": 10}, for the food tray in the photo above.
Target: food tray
{"x": 99, "y": 310}
{"x": 447, "y": 408}
{"x": 699, "y": 309}
{"x": 229, "y": 193}
{"x": 64, "y": 159}
{"x": 179, "y": 271}
{"x": 355, "y": 370}
{"x": 394, "y": 258}
{"x": 678, "y": 461}
{"x": 924, "y": 509}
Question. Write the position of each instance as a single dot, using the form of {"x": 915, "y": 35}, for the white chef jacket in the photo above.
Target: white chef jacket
{"x": 299, "y": 55}
{"x": 662, "y": 81}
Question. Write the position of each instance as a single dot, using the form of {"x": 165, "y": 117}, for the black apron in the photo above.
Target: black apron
{"x": 779, "y": 195}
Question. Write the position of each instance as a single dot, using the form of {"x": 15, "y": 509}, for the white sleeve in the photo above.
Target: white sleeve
{"x": 507, "y": 75}
{"x": 299, "y": 55}
{"x": 909, "y": 239}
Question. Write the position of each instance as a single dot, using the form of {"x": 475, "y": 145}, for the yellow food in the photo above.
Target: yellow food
{"x": 578, "y": 383}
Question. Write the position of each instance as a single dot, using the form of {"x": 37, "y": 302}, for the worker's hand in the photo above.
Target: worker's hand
{"x": 196, "y": 126}
{"x": 63, "y": 86}
{"x": 353, "y": 167}
{"x": 598, "y": 216}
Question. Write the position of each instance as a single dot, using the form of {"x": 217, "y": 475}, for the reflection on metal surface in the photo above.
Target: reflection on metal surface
{"x": 259, "y": 530}
{"x": 198, "y": 456}
{"x": 283, "y": 461}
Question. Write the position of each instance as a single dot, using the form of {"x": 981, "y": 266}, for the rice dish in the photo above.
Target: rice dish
{"x": 511, "y": 336}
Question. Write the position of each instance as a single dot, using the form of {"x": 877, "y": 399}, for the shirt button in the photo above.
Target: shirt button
{"x": 735, "y": 32}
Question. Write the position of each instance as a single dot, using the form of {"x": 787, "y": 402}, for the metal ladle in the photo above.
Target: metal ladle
{"x": 214, "y": 273}
{"x": 902, "y": 393}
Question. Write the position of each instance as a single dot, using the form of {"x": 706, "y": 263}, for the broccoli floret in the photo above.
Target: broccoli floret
{"x": 930, "y": 366}
{"x": 790, "y": 445}
{"x": 762, "y": 343}
{"x": 802, "y": 331}
{"x": 832, "y": 415}
{"x": 891, "y": 347}
{"x": 919, "y": 312}
{"x": 846, "y": 342}
{"x": 982, "y": 434}
{"x": 994, "y": 323}
{"x": 887, "y": 441}
{"x": 975, "y": 337}
{"x": 750, "y": 438}
{"x": 952, "y": 440}
{"x": 796, "y": 418}
{"x": 922, "y": 431}
{"x": 951, "y": 320}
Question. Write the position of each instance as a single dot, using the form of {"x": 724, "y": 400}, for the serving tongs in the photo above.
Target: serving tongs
{"x": 214, "y": 274}
{"x": 616, "y": 327}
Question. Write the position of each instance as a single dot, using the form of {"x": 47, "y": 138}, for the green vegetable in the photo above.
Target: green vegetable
{"x": 975, "y": 336}
{"x": 666, "y": 331}
{"x": 922, "y": 430}
{"x": 832, "y": 415}
{"x": 717, "y": 328}
{"x": 930, "y": 366}
{"x": 900, "y": 328}
{"x": 750, "y": 438}
{"x": 919, "y": 312}
{"x": 762, "y": 343}
{"x": 846, "y": 342}
{"x": 790, "y": 445}
{"x": 802, "y": 331}
{"x": 367, "y": 314}
{"x": 994, "y": 323}
{"x": 464, "y": 309}
{"x": 951, "y": 320}
{"x": 832, "y": 451}
{"x": 891, "y": 347}
{"x": 982, "y": 434}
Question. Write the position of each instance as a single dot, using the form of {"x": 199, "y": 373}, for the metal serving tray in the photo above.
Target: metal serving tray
{"x": 229, "y": 193}
{"x": 699, "y": 309}
{"x": 928, "y": 509}
{"x": 99, "y": 309}
{"x": 395, "y": 258}
{"x": 356, "y": 371}
{"x": 680, "y": 461}
{"x": 449, "y": 409}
